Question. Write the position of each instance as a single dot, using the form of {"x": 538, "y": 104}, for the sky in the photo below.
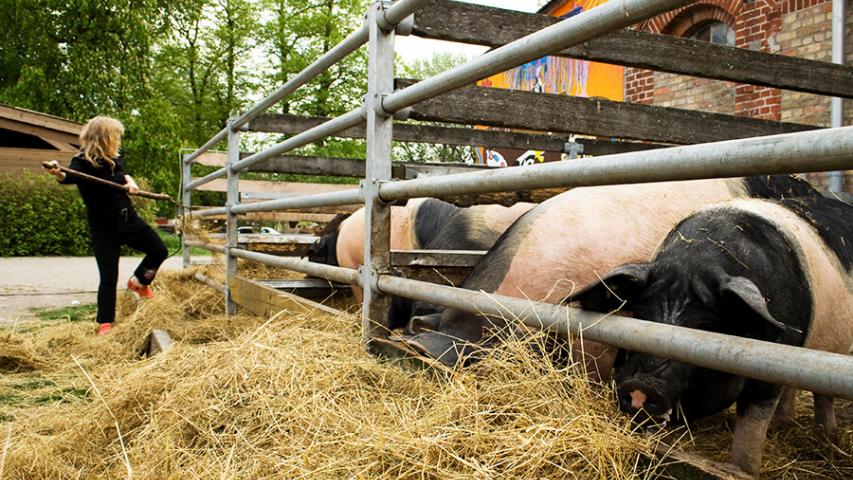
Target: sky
{"x": 414, "y": 48}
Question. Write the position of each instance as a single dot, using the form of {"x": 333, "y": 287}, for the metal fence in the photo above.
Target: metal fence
{"x": 820, "y": 150}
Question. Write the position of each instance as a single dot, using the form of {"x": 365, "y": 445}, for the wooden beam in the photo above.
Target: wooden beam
{"x": 277, "y": 216}
{"x": 480, "y": 25}
{"x": 266, "y": 301}
{"x": 262, "y": 186}
{"x": 251, "y": 197}
{"x": 690, "y": 466}
{"x": 436, "y": 266}
{"x": 214, "y": 284}
{"x": 61, "y": 146}
{"x": 40, "y": 120}
{"x": 436, "y": 258}
{"x": 311, "y": 288}
{"x": 548, "y": 112}
{"x": 340, "y": 167}
{"x": 406, "y": 132}
{"x": 37, "y": 131}
{"x": 16, "y": 159}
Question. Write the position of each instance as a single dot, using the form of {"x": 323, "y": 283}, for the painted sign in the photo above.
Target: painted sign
{"x": 561, "y": 76}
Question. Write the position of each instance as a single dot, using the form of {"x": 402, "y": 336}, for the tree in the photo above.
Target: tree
{"x": 422, "y": 69}
{"x": 295, "y": 35}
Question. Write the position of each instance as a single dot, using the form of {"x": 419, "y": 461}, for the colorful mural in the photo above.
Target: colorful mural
{"x": 559, "y": 75}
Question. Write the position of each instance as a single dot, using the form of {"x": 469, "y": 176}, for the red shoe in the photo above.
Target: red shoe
{"x": 140, "y": 289}
{"x": 104, "y": 328}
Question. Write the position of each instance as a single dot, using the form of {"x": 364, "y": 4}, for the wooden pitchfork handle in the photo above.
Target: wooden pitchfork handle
{"x": 141, "y": 193}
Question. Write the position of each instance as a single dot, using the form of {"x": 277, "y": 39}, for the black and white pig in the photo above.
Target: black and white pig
{"x": 778, "y": 271}
{"x": 426, "y": 223}
{"x": 565, "y": 243}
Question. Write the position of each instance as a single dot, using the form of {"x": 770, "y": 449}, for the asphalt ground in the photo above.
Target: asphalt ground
{"x": 28, "y": 283}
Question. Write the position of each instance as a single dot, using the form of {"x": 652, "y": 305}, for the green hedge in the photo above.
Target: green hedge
{"x": 42, "y": 217}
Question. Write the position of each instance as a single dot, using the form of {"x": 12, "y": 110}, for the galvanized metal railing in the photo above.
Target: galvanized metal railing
{"x": 822, "y": 150}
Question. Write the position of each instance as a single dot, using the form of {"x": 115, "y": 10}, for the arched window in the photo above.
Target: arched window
{"x": 714, "y": 31}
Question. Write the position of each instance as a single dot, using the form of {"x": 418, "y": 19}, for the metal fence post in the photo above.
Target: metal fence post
{"x": 232, "y": 200}
{"x": 836, "y": 115}
{"x": 183, "y": 209}
{"x": 377, "y": 222}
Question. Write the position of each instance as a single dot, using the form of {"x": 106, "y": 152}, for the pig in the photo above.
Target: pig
{"x": 778, "y": 271}
{"x": 426, "y": 223}
{"x": 565, "y": 243}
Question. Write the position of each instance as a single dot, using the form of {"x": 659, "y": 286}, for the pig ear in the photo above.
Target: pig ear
{"x": 618, "y": 286}
{"x": 749, "y": 294}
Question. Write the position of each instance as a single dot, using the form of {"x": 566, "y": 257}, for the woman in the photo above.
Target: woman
{"x": 112, "y": 220}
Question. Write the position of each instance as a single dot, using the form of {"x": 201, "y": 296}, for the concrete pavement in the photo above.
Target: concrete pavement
{"x": 43, "y": 282}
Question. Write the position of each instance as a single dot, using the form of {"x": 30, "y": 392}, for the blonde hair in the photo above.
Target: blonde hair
{"x": 101, "y": 139}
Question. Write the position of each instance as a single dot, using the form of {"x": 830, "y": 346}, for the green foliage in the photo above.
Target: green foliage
{"x": 175, "y": 71}
{"x": 73, "y": 313}
{"x": 421, "y": 152}
{"x": 41, "y": 217}
{"x": 173, "y": 244}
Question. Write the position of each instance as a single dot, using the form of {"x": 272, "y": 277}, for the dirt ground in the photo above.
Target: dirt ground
{"x": 28, "y": 283}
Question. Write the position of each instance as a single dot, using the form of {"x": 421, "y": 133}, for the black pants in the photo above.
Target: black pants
{"x": 109, "y": 232}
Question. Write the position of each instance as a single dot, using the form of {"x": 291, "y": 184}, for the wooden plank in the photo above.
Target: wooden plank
{"x": 436, "y": 258}
{"x": 405, "y": 132}
{"x": 445, "y": 267}
{"x": 506, "y": 199}
{"x": 16, "y": 159}
{"x": 289, "y": 238}
{"x": 61, "y": 146}
{"x": 254, "y": 197}
{"x": 340, "y": 167}
{"x": 277, "y": 216}
{"x": 38, "y": 131}
{"x": 262, "y": 186}
{"x": 212, "y": 159}
{"x": 311, "y": 288}
{"x": 266, "y": 301}
{"x": 209, "y": 282}
{"x": 689, "y": 466}
{"x": 468, "y": 23}
{"x": 296, "y": 285}
{"x": 440, "y": 275}
{"x": 548, "y": 112}
{"x": 40, "y": 119}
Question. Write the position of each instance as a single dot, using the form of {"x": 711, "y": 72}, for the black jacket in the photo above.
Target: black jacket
{"x": 100, "y": 199}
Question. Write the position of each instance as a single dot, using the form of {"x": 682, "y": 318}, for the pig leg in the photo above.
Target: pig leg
{"x": 824, "y": 415}
{"x": 755, "y": 409}
{"x": 785, "y": 410}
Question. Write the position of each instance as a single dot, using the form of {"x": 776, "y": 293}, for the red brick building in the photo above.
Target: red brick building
{"x": 800, "y": 28}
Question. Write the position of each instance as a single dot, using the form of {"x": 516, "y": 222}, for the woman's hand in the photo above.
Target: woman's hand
{"x": 52, "y": 168}
{"x": 131, "y": 186}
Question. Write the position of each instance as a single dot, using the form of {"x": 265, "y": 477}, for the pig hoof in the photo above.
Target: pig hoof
{"x": 828, "y": 433}
{"x": 746, "y": 462}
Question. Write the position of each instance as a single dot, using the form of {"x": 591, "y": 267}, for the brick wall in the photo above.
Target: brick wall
{"x": 807, "y": 33}
{"x": 799, "y": 28}
{"x": 690, "y": 93}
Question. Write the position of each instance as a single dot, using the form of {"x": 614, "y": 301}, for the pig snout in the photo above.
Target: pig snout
{"x": 636, "y": 395}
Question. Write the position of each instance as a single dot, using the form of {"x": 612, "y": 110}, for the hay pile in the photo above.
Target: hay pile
{"x": 297, "y": 397}
{"x": 294, "y": 397}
